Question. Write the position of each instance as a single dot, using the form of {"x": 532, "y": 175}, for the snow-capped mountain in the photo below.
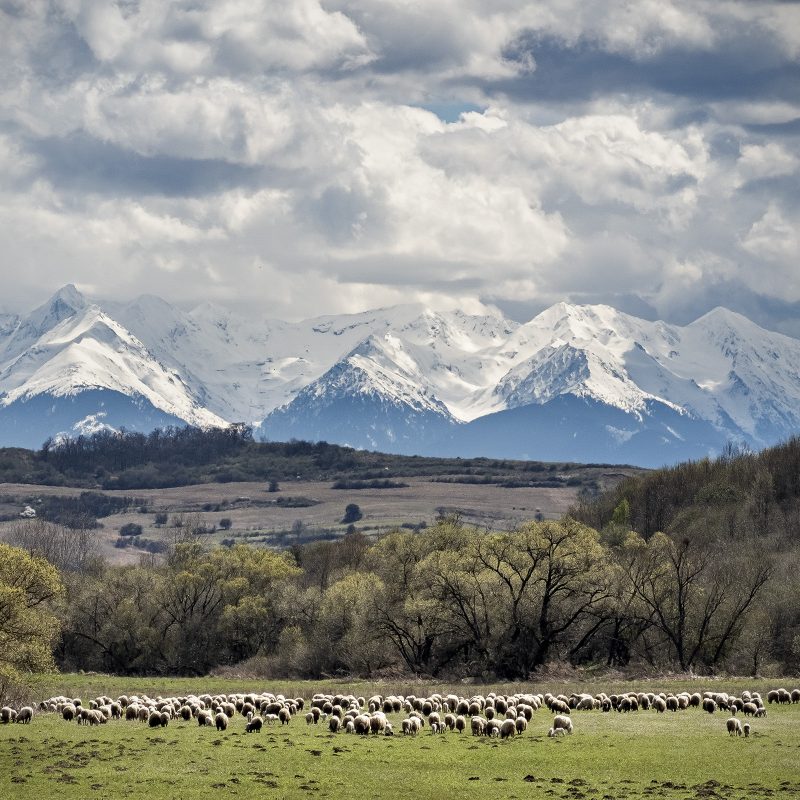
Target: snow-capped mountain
{"x": 575, "y": 382}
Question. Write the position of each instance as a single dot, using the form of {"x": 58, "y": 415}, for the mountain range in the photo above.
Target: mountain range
{"x": 576, "y": 383}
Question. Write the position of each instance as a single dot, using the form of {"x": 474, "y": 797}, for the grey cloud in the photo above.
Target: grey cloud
{"x": 81, "y": 163}
{"x": 744, "y": 66}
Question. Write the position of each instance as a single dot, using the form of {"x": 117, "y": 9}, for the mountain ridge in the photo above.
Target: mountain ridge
{"x": 409, "y": 377}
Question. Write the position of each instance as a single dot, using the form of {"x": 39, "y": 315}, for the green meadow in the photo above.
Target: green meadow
{"x": 628, "y": 756}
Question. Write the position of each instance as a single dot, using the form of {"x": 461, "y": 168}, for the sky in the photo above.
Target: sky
{"x": 290, "y": 158}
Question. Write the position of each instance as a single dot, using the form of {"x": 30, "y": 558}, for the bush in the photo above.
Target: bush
{"x": 225, "y": 523}
{"x": 352, "y": 513}
{"x": 131, "y": 529}
{"x": 161, "y": 518}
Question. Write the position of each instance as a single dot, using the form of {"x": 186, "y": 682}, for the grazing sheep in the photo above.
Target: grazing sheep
{"x": 746, "y": 729}
{"x": 389, "y": 730}
{"x": 659, "y": 705}
{"x": 478, "y": 725}
{"x": 221, "y": 721}
{"x": 734, "y": 727}
{"x": 350, "y": 727}
{"x": 556, "y": 732}
{"x": 362, "y": 724}
{"x": 709, "y": 705}
{"x": 761, "y": 712}
{"x": 749, "y": 709}
{"x": 508, "y": 729}
{"x": 522, "y": 724}
{"x": 284, "y": 716}
{"x": 334, "y": 723}
{"x": 7, "y": 715}
{"x": 772, "y": 696}
{"x": 795, "y": 695}
{"x": 154, "y": 719}
{"x": 254, "y": 726}
{"x": 461, "y": 723}
{"x": 204, "y": 718}
{"x": 68, "y": 712}
{"x": 24, "y": 715}
{"x": 562, "y": 722}
{"x": 492, "y": 728}
{"x": 377, "y": 722}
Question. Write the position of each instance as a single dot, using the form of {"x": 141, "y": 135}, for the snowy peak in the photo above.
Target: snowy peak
{"x": 393, "y": 371}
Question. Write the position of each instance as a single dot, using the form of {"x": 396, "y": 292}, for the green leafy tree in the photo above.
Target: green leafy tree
{"x": 29, "y": 589}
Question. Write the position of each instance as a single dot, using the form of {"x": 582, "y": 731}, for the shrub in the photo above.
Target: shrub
{"x": 352, "y": 513}
{"x": 130, "y": 529}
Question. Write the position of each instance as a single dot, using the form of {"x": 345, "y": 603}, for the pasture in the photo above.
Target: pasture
{"x": 261, "y": 518}
{"x": 610, "y": 756}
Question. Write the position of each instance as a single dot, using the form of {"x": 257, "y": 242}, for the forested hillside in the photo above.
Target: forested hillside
{"x": 179, "y": 456}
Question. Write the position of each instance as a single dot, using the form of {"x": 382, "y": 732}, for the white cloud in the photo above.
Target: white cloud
{"x": 257, "y": 149}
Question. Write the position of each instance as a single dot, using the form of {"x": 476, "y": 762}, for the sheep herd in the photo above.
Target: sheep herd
{"x": 494, "y": 715}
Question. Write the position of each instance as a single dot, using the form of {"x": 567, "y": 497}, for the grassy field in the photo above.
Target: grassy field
{"x": 256, "y": 517}
{"x": 610, "y": 756}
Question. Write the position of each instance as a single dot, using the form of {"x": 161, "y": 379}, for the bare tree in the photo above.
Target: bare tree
{"x": 69, "y": 549}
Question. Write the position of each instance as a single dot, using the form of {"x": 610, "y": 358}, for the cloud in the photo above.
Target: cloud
{"x": 301, "y": 157}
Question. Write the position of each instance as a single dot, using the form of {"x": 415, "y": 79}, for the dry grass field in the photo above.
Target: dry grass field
{"x": 275, "y": 519}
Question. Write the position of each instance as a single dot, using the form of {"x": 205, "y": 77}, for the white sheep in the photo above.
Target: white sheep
{"x": 508, "y": 729}
{"x": 562, "y": 722}
{"x": 734, "y": 726}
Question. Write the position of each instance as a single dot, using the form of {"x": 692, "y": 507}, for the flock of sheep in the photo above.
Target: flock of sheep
{"x": 496, "y": 715}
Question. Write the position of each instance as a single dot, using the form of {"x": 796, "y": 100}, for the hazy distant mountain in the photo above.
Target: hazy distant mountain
{"x": 576, "y": 382}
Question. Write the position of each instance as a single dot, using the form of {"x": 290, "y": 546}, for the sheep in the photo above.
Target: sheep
{"x": 478, "y": 725}
{"x": 334, "y": 723}
{"x": 556, "y": 732}
{"x": 221, "y": 721}
{"x": 671, "y": 703}
{"x": 709, "y": 705}
{"x": 204, "y": 718}
{"x": 7, "y": 715}
{"x": 24, "y": 715}
{"x": 95, "y": 717}
{"x": 492, "y": 728}
{"x": 772, "y": 696}
{"x": 362, "y": 724}
{"x": 508, "y": 729}
{"x": 461, "y": 723}
{"x": 254, "y": 725}
{"x": 377, "y": 722}
{"x": 734, "y": 727}
{"x": 749, "y": 709}
{"x": 68, "y": 712}
{"x": 450, "y": 722}
{"x": 350, "y": 727}
{"x": 154, "y": 719}
{"x": 563, "y": 722}
{"x": 746, "y": 729}
{"x": 795, "y": 695}
{"x": 761, "y": 712}
{"x": 309, "y": 718}
{"x": 522, "y": 724}
{"x": 389, "y": 730}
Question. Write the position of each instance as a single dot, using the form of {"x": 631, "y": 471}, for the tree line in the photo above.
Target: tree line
{"x": 449, "y": 601}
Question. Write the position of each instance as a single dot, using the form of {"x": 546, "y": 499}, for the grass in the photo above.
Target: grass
{"x": 609, "y": 757}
